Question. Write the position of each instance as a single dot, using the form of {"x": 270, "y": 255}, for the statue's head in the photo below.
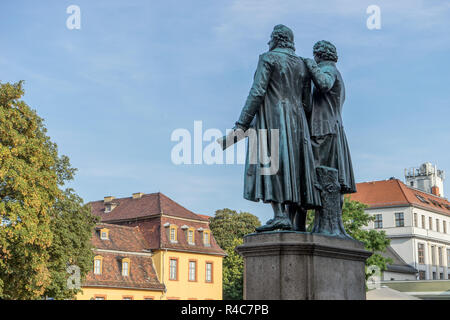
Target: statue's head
{"x": 282, "y": 37}
{"x": 324, "y": 51}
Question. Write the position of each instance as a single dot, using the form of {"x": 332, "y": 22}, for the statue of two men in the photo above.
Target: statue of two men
{"x": 308, "y": 129}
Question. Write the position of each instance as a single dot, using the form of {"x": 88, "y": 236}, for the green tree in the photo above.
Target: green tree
{"x": 34, "y": 210}
{"x": 355, "y": 219}
{"x": 72, "y": 224}
{"x": 229, "y": 227}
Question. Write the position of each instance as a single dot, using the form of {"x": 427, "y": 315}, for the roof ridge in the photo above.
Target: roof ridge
{"x": 116, "y": 225}
{"x": 159, "y": 203}
{"x": 401, "y": 184}
{"x": 181, "y": 206}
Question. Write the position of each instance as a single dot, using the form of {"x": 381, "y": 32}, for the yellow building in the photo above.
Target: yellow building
{"x": 150, "y": 247}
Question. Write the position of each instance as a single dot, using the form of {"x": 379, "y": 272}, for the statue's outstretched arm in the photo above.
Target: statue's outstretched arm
{"x": 323, "y": 78}
{"x": 257, "y": 92}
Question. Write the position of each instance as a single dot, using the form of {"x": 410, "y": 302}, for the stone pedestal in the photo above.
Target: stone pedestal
{"x": 286, "y": 265}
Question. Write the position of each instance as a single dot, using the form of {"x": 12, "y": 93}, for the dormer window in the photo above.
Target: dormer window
{"x": 110, "y": 207}
{"x": 191, "y": 236}
{"x": 173, "y": 233}
{"x": 104, "y": 234}
{"x": 206, "y": 238}
{"x": 125, "y": 267}
{"x": 98, "y": 264}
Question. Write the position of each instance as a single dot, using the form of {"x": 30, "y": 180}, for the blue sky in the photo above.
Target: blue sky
{"x": 113, "y": 92}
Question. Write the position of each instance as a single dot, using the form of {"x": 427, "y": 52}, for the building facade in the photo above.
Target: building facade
{"x": 182, "y": 256}
{"x": 123, "y": 266}
{"x": 416, "y": 221}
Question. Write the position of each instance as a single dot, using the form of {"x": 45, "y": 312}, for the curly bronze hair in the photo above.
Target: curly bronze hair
{"x": 325, "y": 50}
{"x": 283, "y": 36}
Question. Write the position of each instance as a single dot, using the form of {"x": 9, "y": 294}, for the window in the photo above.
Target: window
{"x": 149, "y": 298}
{"x": 206, "y": 241}
{"x": 125, "y": 267}
{"x": 423, "y": 222}
{"x": 104, "y": 234}
{"x": 209, "y": 272}
{"x": 430, "y": 223}
{"x": 98, "y": 265}
{"x": 415, "y": 220}
{"x": 127, "y": 298}
{"x": 421, "y": 249}
{"x": 192, "y": 270}
{"x": 421, "y": 275}
{"x": 434, "y": 276}
{"x": 438, "y": 227}
{"x": 99, "y": 297}
{"x": 378, "y": 222}
{"x": 421, "y": 199}
{"x": 173, "y": 269}
{"x": 399, "y": 219}
{"x": 441, "y": 276}
{"x": 173, "y": 234}
{"x": 191, "y": 236}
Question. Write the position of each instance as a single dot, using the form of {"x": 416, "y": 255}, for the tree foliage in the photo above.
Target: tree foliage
{"x": 72, "y": 226}
{"x": 229, "y": 227}
{"x": 33, "y": 208}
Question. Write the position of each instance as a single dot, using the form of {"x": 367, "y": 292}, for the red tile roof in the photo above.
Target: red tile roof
{"x": 182, "y": 240}
{"x": 150, "y": 213}
{"x": 123, "y": 242}
{"x": 388, "y": 193}
{"x": 204, "y": 216}
{"x": 121, "y": 238}
{"x": 148, "y": 205}
{"x": 142, "y": 274}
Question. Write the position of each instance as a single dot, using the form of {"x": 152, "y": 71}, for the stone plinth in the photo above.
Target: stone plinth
{"x": 289, "y": 265}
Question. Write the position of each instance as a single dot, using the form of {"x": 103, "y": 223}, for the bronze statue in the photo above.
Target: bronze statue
{"x": 278, "y": 99}
{"x": 328, "y": 138}
{"x": 314, "y": 170}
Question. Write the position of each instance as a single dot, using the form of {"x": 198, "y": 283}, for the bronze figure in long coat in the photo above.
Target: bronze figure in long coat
{"x": 328, "y": 137}
{"x": 278, "y": 98}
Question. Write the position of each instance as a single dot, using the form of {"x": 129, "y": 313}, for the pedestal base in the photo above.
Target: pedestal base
{"x": 302, "y": 266}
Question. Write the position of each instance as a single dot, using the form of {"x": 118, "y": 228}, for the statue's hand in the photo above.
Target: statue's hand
{"x": 238, "y": 126}
{"x": 310, "y": 63}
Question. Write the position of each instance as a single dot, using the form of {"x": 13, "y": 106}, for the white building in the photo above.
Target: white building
{"x": 426, "y": 178}
{"x": 417, "y": 221}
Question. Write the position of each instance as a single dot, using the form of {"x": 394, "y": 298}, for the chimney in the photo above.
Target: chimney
{"x": 435, "y": 191}
{"x": 108, "y": 199}
{"x": 137, "y": 195}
